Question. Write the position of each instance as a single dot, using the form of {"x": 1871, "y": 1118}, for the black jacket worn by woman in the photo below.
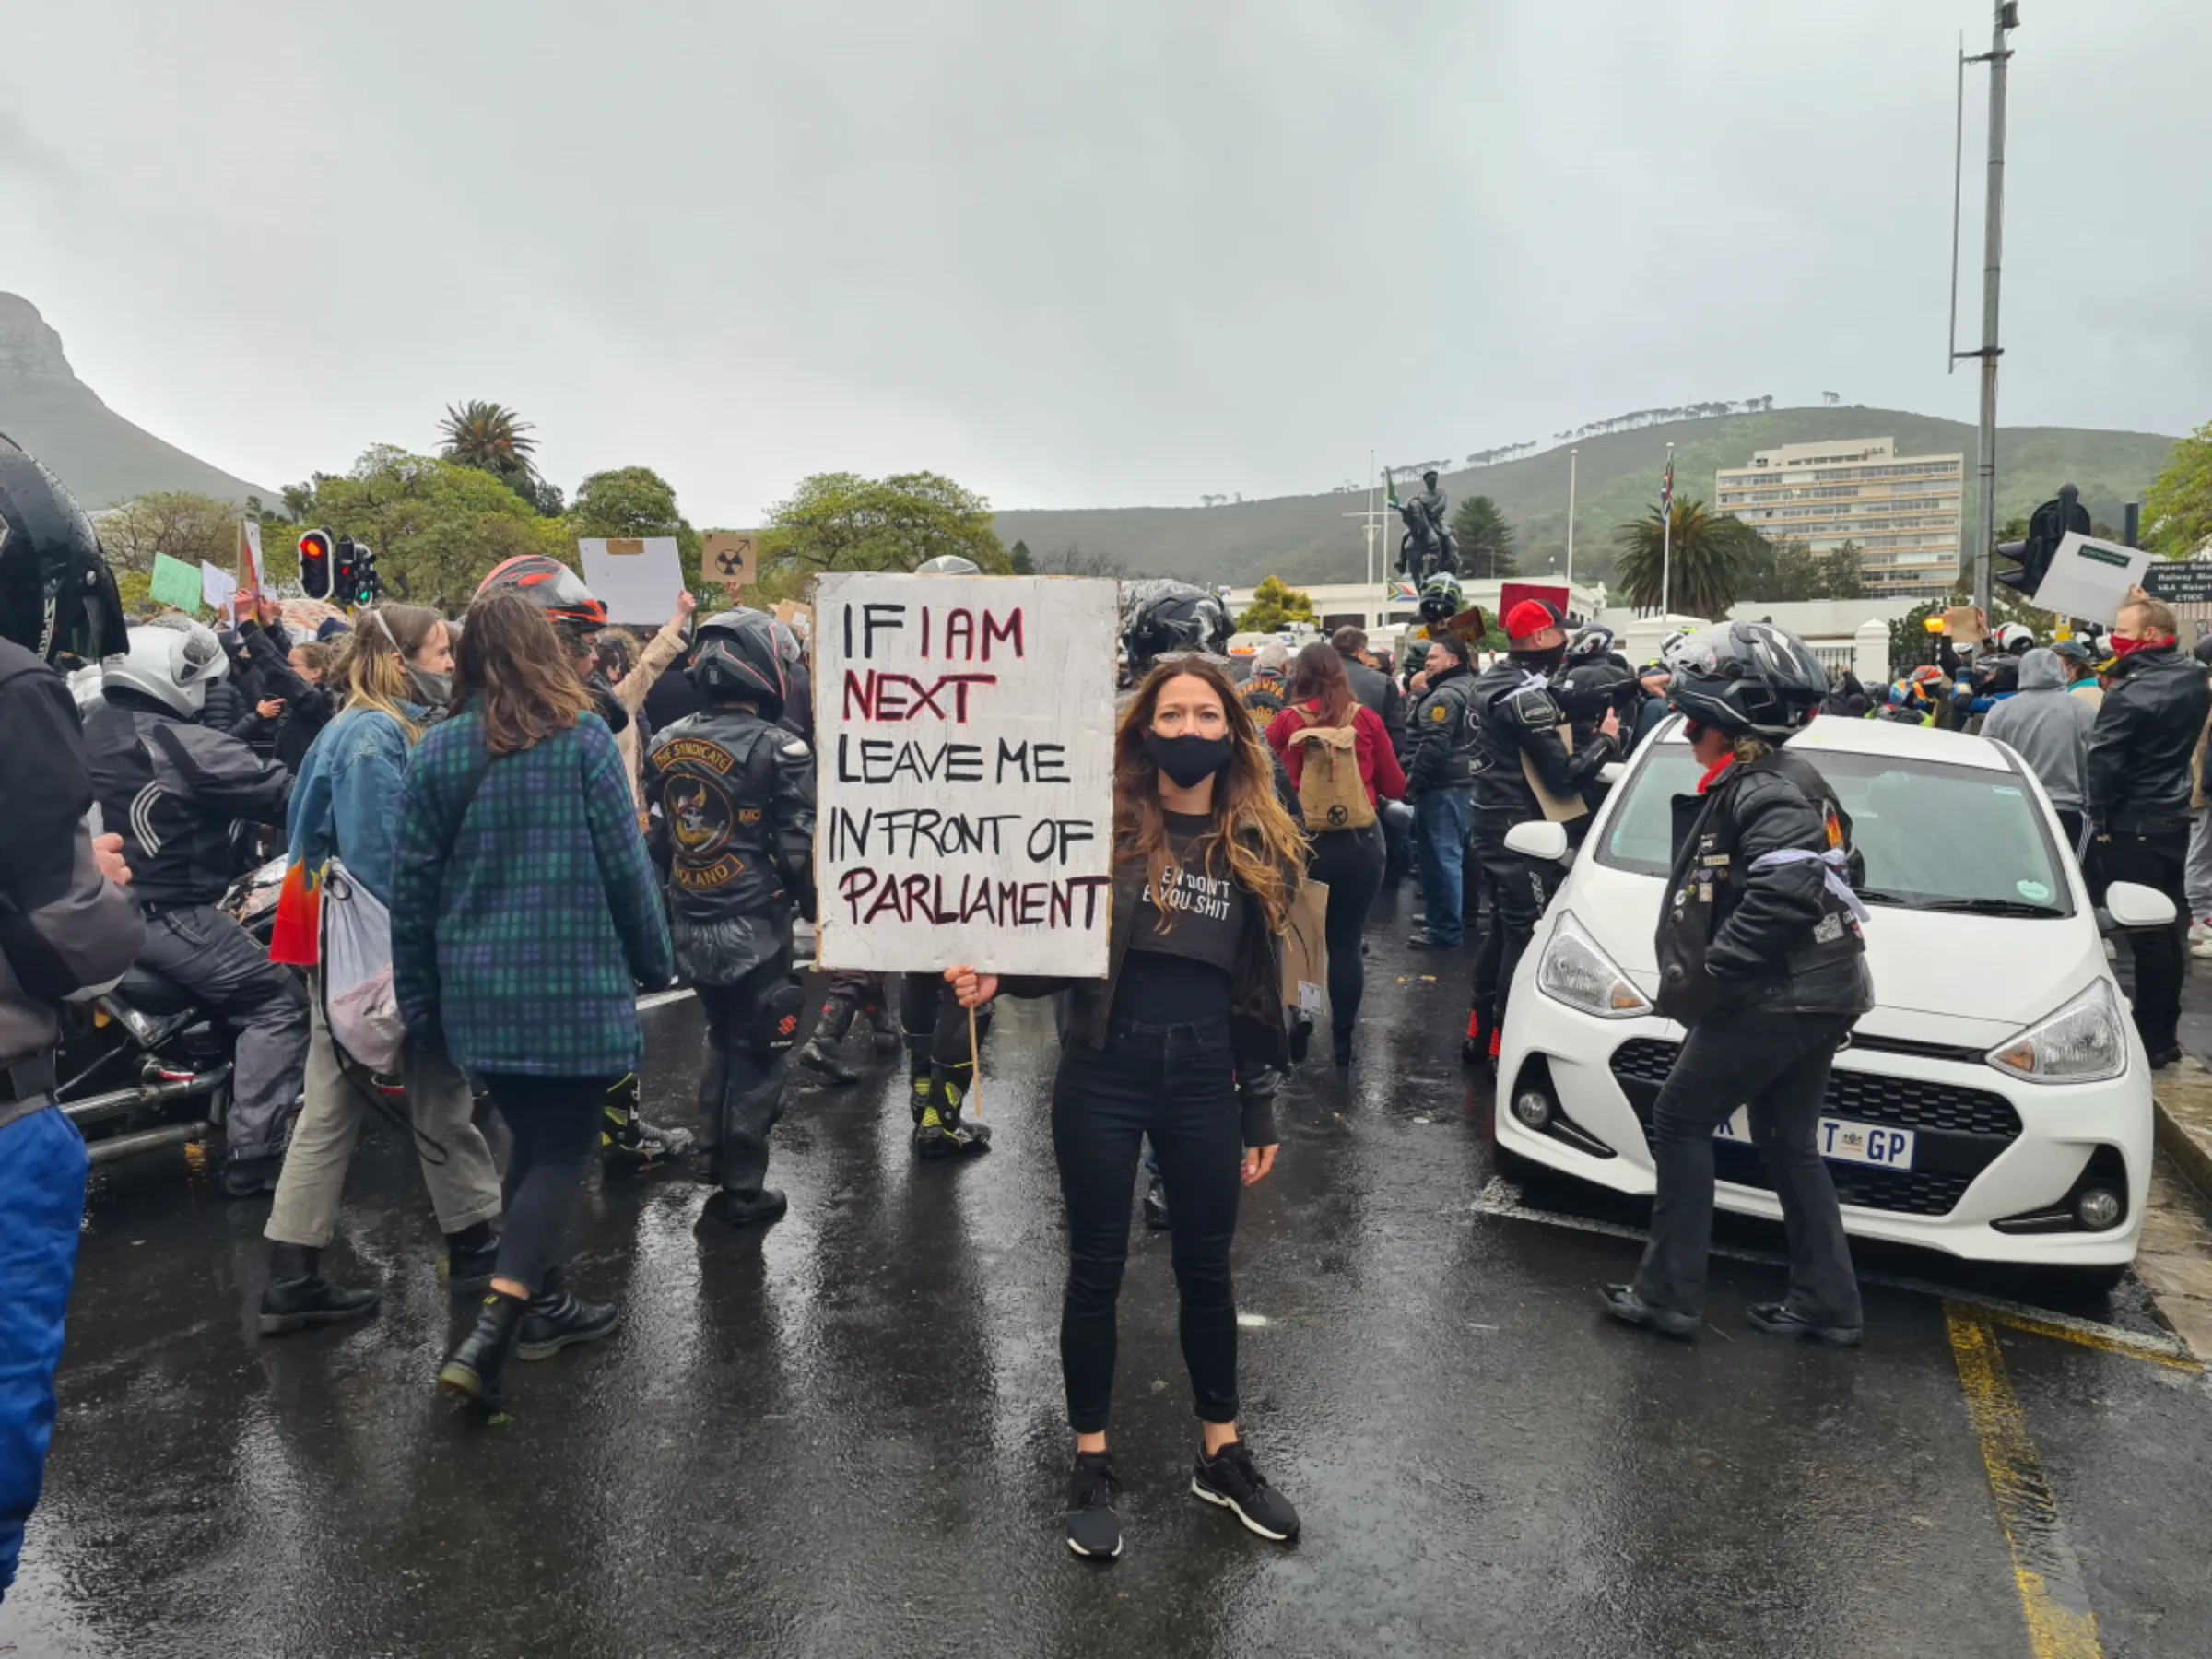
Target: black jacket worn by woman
{"x": 1259, "y": 1034}
{"x": 1734, "y": 938}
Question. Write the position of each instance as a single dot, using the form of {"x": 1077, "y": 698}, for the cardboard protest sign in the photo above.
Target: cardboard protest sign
{"x": 2089, "y": 578}
{"x": 216, "y": 586}
{"x": 249, "y": 557}
{"x": 176, "y": 583}
{"x": 637, "y": 581}
{"x": 965, "y": 779}
{"x": 729, "y": 557}
{"x": 798, "y": 617}
{"x": 1959, "y": 623}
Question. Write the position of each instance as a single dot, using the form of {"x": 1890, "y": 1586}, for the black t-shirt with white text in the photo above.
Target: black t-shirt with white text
{"x": 1180, "y": 959}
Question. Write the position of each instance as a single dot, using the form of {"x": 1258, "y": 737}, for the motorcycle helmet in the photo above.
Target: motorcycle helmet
{"x": 948, "y": 564}
{"x": 1586, "y": 689}
{"x": 174, "y": 666}
{"x": 1441, "y": 598}
{"x": 790, "y": 650}
{"x": 1677, "y": 647}
{"x": 2015, "y": 638}
{"x": 57, "y": 596}
{"x": 738, "y": 660}
{"x": 552, "y": 587}
{"x": 1165, "y": 616}
{"x": 1594, "y": 641}
{"x": 1749, "y": 678}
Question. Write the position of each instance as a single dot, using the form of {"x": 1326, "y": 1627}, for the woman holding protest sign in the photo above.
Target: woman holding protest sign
{"x": 1182, "y": 1042}
{"x": 1339, "y": 756}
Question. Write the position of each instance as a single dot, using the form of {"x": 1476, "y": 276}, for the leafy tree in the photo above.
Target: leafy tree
{"x": 1703, "y": 565}
{"x": 1485, "y": 539}
{"x": 2177, "y": 510}
{"x": 178, "y": 523}
{"x": 1019, "y": 556}
{"x": 1781, "y": 571}
{"x": 437, "y": 529}
{"x": 488, "y": 437}
{"x": 1071, "y": 561}
{"x": 635, "y": 501}
{"x": 1844, "y": 576}
{"x": 843, "y": 522}
{"x": 1274, "y": 607}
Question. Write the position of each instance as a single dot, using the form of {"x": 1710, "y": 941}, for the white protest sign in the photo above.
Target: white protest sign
{"x": 637, "y": 581}
{"x": 217, "y": 586}
{"x": 965, "y": 774}
{"x": 2089, "y": 578}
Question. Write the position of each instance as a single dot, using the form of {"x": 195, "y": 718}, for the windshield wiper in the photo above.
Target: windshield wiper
{"x": 1966, "y": 907}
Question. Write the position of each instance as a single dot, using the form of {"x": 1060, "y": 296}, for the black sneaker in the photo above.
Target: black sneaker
{"x": 2164, "y": 1058}
{"x": 1624, "y": 1304}
{"x": 1094, "y": 1528}
{"x": 1231, "y": 1480}
{"x": 470, "y": 1256}
{"x": 251, "y": 1177}
{"x": 1155, "y": 1205}
{"x": 1423, "y": 941}
{"x": 559, "y": 1318}
{"x": 1779, "y": 1319}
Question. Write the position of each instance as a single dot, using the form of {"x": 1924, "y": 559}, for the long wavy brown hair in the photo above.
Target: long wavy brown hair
{"x": 1252, "y": 833}
{"x": 518, "y": 672}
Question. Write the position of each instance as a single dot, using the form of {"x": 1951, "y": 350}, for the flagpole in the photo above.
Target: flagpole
{"x": 1666, "y": 536}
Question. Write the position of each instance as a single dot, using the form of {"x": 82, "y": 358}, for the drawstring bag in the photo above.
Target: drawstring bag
{"x": 358, "y": 1002}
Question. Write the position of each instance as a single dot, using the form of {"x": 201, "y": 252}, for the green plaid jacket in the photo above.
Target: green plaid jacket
{"x": 525, "y": 912}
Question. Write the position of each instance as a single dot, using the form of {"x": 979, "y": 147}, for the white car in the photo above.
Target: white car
{"x": 1995, "y": 1104}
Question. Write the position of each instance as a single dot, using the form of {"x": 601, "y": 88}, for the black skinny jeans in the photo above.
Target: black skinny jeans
{"x": 1778, "y": 1065}
{"x": 1351, "y": 861}
{"x": 555, "y": 1122}
{"x": 1175, "y": 1084}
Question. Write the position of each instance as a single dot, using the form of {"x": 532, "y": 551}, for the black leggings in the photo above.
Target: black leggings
{"x": 1176, "y": 1085}
{"x": 1351, "y": 861}
{"x": 555, "y": 1122}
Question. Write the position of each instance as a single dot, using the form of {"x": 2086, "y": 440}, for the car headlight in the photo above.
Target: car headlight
{"x": 1581, "y": 975}
{"x": 2083, "y": 1042}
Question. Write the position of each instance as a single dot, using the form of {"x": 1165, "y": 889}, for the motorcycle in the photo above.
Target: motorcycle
{"x": 142, "y": 1067}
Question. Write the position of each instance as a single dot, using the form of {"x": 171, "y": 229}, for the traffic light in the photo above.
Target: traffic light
{"x": 315, "y": 563}
{"x": 367, "y": 587}
{"x": 345, "y": 574}
{"x": 2034, "y": 562}
{"x": 2046, "y": 529}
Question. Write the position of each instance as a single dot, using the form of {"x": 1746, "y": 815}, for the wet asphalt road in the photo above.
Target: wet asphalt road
{"x": 845, "y": 1438}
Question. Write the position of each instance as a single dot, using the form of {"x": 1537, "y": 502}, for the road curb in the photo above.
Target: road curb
{"x": 2182, "y": 1109}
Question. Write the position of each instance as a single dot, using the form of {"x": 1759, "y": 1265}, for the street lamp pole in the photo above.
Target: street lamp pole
{"x": 1666, "y": 538}
{"x": 2006, "y": 18}
{"x": 1571, "y": 456}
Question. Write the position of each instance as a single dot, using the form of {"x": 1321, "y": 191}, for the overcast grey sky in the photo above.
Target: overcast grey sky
{"x": 1080, "y": 255}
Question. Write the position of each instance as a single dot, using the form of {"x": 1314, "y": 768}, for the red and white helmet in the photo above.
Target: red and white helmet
{"x": 551, "y": 586}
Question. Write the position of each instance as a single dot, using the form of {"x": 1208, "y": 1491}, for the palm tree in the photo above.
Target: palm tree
{"x": 489, "y": 436}
{"x": 1702, "y": 559}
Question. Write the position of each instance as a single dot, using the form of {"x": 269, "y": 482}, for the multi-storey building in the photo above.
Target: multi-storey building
{"x": 1902, "y": 511}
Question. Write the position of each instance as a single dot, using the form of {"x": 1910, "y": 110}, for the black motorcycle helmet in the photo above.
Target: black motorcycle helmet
{"x": 1167, "y": 617}
{"x": 1586, "y": 689}
{"x": 737, "y": 660}
{"x": 57, "y": 596}
{"x": 1748, "y": 678}
{"x": 1441, "y": 598}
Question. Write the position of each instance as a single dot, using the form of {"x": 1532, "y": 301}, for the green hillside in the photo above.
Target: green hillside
{"x": 1303, "y": 539}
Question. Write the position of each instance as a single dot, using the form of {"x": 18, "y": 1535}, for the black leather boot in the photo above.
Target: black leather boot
{"x": 628, "y": 1144}
{"x": 940, "y": 1131}
{"x": 557, "y": 1318}
{"x": 474, "y": 1367}
{"x": 298, "y": 1295}
{"x": 471, "y": 1254}
{"x": 747, "y": 1115}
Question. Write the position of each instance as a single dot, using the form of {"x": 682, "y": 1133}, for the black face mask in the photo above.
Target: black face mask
{"x": 1542, "y": 662}
{"x": 1189, "y": 761}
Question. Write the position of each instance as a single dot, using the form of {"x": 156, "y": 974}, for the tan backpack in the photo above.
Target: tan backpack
{"x": 1329, "y": 792}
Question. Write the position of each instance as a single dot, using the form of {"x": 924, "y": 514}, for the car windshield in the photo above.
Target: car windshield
{"x": 1936, "y": 837}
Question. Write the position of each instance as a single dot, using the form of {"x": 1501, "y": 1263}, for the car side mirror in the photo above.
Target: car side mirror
{"x": 2129, "y": 907}
{"x": 1612, "y": 771}
{"x": 1538, "y": 839}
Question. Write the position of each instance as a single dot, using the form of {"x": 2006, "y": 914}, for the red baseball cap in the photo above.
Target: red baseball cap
{"x": 1529, "y": 617}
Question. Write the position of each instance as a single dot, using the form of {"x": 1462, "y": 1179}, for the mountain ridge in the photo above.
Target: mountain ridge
{"x": 102, "y": 457}
{"x": 1308, "y": 539}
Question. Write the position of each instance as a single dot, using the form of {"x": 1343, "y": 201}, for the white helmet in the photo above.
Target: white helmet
{"x": 172, "y": 665}
{"x": 1677, "y": 647}
{"x": 2015, "y": 638}
{"x": 948, "y": 564}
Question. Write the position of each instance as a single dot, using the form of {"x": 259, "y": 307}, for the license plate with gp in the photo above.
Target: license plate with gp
{"x": 1841, "y": 1140}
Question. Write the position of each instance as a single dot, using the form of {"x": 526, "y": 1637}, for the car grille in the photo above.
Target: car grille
{"x": 1962, "y": 1131}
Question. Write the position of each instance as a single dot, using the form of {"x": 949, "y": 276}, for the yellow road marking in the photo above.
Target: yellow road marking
{"x": 2054, "y": 1599}
{"x": 2093, "y": 1339}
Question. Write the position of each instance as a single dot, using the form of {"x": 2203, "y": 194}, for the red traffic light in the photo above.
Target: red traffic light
{"x": 315, "y": 563}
